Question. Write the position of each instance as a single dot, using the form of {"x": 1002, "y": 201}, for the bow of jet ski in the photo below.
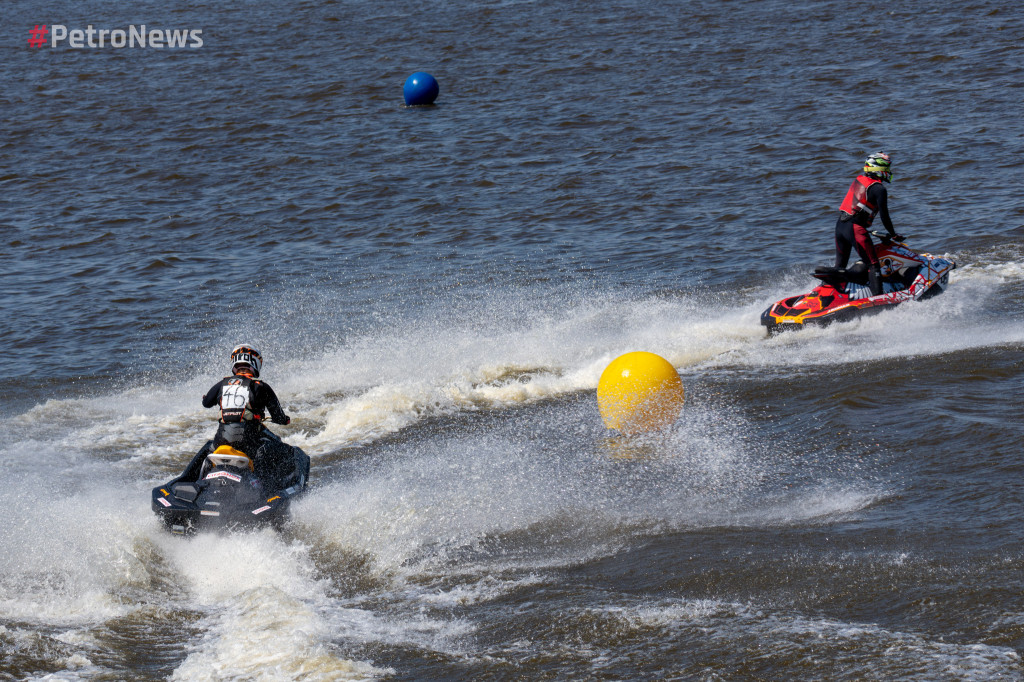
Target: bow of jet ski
{"x": 223, "y": 488}
{"x": 844, "y": 293}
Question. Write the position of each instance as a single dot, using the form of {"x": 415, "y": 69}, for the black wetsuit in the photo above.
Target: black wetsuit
{"x": 853, "y": 231}
{"x": 243, "y": 402}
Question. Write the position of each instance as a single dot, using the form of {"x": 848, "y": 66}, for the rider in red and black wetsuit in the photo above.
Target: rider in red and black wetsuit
{"x": 244, "y": 401}
{"x": 865, "y": 199}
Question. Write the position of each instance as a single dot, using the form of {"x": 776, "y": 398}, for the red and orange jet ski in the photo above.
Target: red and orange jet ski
{"x": 844, "y": 292}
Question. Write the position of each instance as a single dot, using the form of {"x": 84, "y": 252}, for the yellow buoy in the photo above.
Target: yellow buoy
{"x": 639, "y": 392}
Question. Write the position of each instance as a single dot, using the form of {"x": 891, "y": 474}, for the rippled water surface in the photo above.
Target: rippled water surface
{"x": 436, "y": 291}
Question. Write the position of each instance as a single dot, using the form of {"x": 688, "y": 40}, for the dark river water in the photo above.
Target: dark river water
{"x": 436, "y": 291}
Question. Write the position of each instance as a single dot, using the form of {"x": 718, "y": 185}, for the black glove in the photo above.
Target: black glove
{"x": 897, "y": 237}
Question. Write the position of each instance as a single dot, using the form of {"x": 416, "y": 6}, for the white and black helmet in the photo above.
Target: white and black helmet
{"x": 245, "y": 354}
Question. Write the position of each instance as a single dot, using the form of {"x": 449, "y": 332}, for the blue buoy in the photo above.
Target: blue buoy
{"x": 420, "y": 88}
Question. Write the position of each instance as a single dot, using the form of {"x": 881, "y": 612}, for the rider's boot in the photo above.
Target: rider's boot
{"x": 875, "y": 280}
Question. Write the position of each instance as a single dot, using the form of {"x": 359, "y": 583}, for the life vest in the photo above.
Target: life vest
{"x": 236, "y": 396}
{"x": 856, "y": 199}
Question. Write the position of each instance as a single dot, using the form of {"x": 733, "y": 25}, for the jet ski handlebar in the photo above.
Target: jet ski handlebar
{"x": 886, "y": 237}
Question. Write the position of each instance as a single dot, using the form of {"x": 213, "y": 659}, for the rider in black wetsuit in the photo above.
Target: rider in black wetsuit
{"x": 244, "y": 401}
{"x": 866, "y": 198}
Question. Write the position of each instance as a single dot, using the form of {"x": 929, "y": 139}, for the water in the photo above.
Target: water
{"x": 436, "y": 292}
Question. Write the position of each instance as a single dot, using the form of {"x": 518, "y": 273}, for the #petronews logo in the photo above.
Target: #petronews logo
{"x": 134, "y": 36}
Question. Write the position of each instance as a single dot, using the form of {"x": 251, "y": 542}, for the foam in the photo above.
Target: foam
{"x": 460, "y": 503}
{"x": 68, "y": 551}
{"x": 487, "y": 588}
{"x": 263, "y": 633}
{"x": 436, "y": 523}
{"x": 265, "y": 610}
{"x": 862, "y": 650}
{"x": 506, "y": 349}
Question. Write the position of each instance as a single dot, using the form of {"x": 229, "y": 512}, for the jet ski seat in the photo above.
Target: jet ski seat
{"x": 226, "y": 456}
{"x": 240, "y": 461}
{"x": 856, "y": 273}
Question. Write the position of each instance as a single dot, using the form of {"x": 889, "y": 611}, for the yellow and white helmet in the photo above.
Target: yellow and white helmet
{"x": 879, "y": 165}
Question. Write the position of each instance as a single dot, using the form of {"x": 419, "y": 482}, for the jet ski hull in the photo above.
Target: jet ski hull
{"x": 222, "y": 490}
{"x": 844, "y": 294}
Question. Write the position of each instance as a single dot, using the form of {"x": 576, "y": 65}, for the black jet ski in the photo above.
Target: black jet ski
{"x": 845, "y": 294}
{"x": 223, "y": 488}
